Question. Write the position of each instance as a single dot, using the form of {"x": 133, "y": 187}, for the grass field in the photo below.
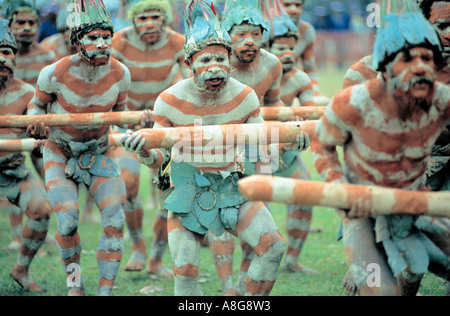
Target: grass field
{"x": 321, "y": 252}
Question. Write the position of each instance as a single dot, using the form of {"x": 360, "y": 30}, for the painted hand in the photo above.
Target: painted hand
{"x": 38, "y": 131}
{"x": 302, "y": 142}
{"x": 134, "y": 143}
{"x": 147, "y": 120}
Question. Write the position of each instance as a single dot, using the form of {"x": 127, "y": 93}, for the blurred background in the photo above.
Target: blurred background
{"x": 343, "y": 36}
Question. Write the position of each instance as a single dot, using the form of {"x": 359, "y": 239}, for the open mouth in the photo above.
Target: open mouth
{"x": 4, "y": 70}
{"x": 215, "y": 82}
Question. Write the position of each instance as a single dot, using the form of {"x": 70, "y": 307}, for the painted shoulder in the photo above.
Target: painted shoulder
{"x": 307, "y": 31}
{"x": 442, "y": 96}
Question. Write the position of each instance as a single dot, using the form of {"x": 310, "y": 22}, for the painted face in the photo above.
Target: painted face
{"x": 247, "y": 41}
{"x": 149, "y": 26}
{"x": 294, "y": 8}
{"x": 24, "y": 27}
{"x": 440, "y": 18}
{"x": 7, "y": 65}
{"x": 411, "y": 75}
{"x": 211, "y": 68}
{"x": 95, "y": 47}
{"x": 284, "y": 49}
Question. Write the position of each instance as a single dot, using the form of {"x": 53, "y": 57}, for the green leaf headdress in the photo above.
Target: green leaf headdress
{"x": 87, "y": 15}
{"x": 402, "y": 25}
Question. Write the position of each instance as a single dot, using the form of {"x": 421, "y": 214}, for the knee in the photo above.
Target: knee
{"x": 39, "y": 209}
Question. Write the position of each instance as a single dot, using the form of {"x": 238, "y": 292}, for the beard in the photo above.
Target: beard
{"x": 211, "y": 81}
{"x": 409, "y": 92}
{"x": 287, "y": 63}
{"x": 155, "y": 36}
{"x": 96, "y": 58}
{"x": 4, "y": 79}
{"x": 246, "y": 56}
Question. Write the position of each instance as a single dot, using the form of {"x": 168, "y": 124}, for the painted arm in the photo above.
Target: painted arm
{"x": 306, "y": 90}
{"x": 272, "y": 96}
{"x": 308, "y": 57}
{"x": 331, "y": 131}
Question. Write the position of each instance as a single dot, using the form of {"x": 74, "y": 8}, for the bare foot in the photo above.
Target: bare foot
{"x": 136, "y": 262}
{"x": 76, "y": 292}
{"x": 156, "y": 269}
{"x": 299, "y": 268}
{"x": 349, "y": 285}
{"x": 14, "y": 246}
{"x": 26, "y": 282}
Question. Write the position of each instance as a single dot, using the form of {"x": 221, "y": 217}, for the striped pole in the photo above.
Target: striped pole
{"x": 385, "y": 201}
{"x": 198, "y": 135}
{"x": 285, "y": 114}
{"x": 78, "y": 119}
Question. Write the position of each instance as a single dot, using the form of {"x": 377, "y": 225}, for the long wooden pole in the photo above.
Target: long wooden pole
{"x": 280, "y": 114}
{"x": 198, "y": 135}
{"x": 385, "y": 201}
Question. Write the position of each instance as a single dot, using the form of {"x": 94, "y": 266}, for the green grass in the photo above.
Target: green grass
{"x": 321, "y": 252}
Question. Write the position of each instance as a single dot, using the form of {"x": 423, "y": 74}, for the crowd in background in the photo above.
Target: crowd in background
{"x": 343, "y": 35}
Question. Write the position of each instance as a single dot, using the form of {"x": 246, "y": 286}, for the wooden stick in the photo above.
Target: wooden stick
{"x": 79, "y": 119}
{"x": 385, "y": 201}
{"x": 285, "y": 114}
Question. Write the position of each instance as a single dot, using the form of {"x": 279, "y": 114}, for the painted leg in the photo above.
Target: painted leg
{"x": 298, "y": 225}
{"x": 361, "y": 250}
{"x": 222, "y": 248}
{"x": 409, "y": 283}
{"x": 185, "y": 249}
{"x": 63, "y": 197}
{"x": 134, "y": 211}
{"x": 257, "y": 228}
{"x": 247, "y": 255}
{"x": 155, "y": 265}
{"x": 16, "y": 219}
{"x": 109, "y": 195}
{"x": 33, "y": 199}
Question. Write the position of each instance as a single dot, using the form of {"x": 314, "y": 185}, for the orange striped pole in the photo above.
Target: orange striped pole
{"x": 199, "y": 135}
{"x": 78, "y": 119}
{"x": 385, "y": 201}
{"x": 285, "y": 114}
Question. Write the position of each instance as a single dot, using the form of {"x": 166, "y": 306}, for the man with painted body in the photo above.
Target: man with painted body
{"x": 388, "y": 127}
{"x": 87, "y": 82}
{"x": 21, "y": 191}
{"x": 263, "y": 71}
{"x": 31, "y": 57}
{"x": 294, "y": 84}
{"x": 438, "y": 175}
{"x": 205, "y": 195}
{"x": 155, "y": 56}
{"x": 305, "y": 56}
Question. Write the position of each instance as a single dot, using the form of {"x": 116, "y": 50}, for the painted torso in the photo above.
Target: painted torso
{"x": 57, "y": 44}
{"x": 296, "y": 83}
{"x": 70, "y": 86}
{"x": 153, "y": 68}
{"x": 30, "y": 64}
{"x": 182, "y": 105}
{"x": 263, "y": 75}
{"x": 380, "y": 148}
{"x": 13, "y": 101}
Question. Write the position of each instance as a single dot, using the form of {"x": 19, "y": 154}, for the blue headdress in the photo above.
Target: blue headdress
{"x": 6, "y": 37}
{"x": 237, "y": 12}
{"x": 203, "y": 28}
{"x": 12, "y": 7}
{"x": 281, "y": 23}
{"x": 402, "y": 25}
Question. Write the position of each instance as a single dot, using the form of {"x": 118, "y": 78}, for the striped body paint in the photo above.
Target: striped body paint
{"x": 440, "y": 19}
{"x": 30, "y": 196}
{"x": 257, "y": 68}
{"x": 153, "y": 68}
{"x": 305, "y": 45}
{"x": 233, "y": 103}
{"x": 32, "y": 57}
{"x": 60, "y": 44}
{"x": 77, "y": 85}
{"x": 294, "y": 82}
{"x": 388, "y": 128}
{"x": 154, "y": 55}
{"x": 360, "y": 72}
